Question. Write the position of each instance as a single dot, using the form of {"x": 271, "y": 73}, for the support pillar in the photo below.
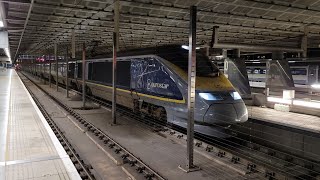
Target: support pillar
{"x": 214, "y": 37}
{"x": 237, "y": 53}
{"x": 50, "y": 67}
{"x": 67, "y": 73}
{"x": 191, "y": 90}
{"x": 44, "y": 69}
{"x": 56, "y": 59}
{"x": 83, "y": 76}
{"x": 73, "y": 44}
{"x": 277, "y": 55}
{"x": 116, "y": 21}
{"x": 224, "y": 53}
{"x": 304, "y": 42}
{"x": 114, "y": 64}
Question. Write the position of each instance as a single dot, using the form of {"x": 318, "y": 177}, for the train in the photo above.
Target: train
{"x": 304, "y": 73}
{"x": 153, "y": 82}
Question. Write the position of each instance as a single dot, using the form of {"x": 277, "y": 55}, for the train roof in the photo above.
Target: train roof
{"x": 157, "y": 50}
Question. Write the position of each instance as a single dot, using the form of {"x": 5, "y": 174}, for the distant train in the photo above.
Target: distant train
{"x": 153, "y": 82}
{"x": 304, "y": 73}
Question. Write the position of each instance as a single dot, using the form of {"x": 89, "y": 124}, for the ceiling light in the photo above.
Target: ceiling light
{"x": 1, "y": 24}
{"x": 187, "y": 47}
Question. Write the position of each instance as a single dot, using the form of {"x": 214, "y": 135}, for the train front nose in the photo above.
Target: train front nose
{"x": 225, "y": 114}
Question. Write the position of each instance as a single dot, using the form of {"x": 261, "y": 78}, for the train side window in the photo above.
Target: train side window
{"x": 298, "y": 71}
{"x": 123, "y": 74}
{"x": 102, "y": 72}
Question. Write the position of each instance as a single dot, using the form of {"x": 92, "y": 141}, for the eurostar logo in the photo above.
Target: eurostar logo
{"x": 156, "y": 85}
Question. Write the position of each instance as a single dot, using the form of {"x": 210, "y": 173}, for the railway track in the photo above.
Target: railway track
{"x": 82, "y": 168}
{"x": 126, "y": 156}
{"x": 270, "y": 163}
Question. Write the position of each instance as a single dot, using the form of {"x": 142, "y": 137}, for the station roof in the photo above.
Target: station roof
{"x": 35, "y": 25}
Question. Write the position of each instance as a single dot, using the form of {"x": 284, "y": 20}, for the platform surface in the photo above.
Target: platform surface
{"x": 290, "y": 119}
{"x": 28, "y": 147}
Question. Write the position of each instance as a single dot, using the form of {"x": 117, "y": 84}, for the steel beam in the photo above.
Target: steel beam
{"x": 83, "y": 76}
{"x": 50, "y": 66}
{"x": 114, "y": 64}
{"x": 304, "y": 42}
{"x": 191, "y": 84}
{"x": 116, "y": 21}
{"x": 191, "y": 89}
{"x": 114, "y": 79}
{"x": 56, "y": 59}
{"x": 67, "y": 73}
{"x": 24, "y": 27}
{"x": 255, "y": 48}
{"x": 73, "y": 44}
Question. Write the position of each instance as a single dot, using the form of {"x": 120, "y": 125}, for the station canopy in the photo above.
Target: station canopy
{"x": 37, "y": 24}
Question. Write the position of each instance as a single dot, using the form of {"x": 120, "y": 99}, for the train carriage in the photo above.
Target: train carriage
{"x": 153, "y": 82}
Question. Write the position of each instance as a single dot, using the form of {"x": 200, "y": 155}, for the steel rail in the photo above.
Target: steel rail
{"x": 219, "y": 148}
{"x": 127, "y": 156}
{"x": 81, "y": 167}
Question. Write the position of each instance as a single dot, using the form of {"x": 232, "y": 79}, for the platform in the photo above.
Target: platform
{"x": 29, "y": 149}
{"x": 294, "y": 120}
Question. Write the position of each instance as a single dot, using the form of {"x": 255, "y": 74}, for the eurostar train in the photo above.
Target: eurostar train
{"x": 153, "y": 82}
{"x": 304, "y": 73}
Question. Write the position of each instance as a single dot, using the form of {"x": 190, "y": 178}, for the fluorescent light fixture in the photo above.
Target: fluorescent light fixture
{"x": 1, "y": 24}
{"x": 220, "y": 56}
{"x": 279, "y": 100}
{"x": 187, "y": 47}
{"x": 315, "y": 86}
{"x": 310, "y": 104}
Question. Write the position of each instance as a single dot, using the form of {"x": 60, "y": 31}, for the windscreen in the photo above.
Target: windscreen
{"x": 180, "y": 59}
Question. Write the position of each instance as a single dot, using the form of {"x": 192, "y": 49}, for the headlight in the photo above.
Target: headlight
{"x": 235, "y": 95}
{"x": 210, "y": 96}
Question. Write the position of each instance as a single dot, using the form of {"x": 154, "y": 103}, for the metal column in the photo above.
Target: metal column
{"x": 304, "y": 42}
{"x": 83, "y": 75}
{"x": 116, "y": 21}
{"x": 73, "y": 44}
{"x": 67, "y": 73}
{"x": 114, "y": 64}
{"x": 56, "y": 59}
{"x": 43, "y": 70}
{"x": 50, "y": 71}
{"x": 191, "y": 89}
{"x": 114, "y": 79}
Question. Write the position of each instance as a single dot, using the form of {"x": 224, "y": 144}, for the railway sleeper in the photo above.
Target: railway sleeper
{"x": 101, "y": 136}
{"x": 198, "y": 144}
{"x": 221, "y": 154}
{"x": 140, "y": 169}
{"x": 235, "y": 159}
{"x": 117, "y": 150}
{"x": 111, "y": 145}
{"x": 270, "y": 175}
{"x": 106, "y": 141}
{"x": 251, "y": 167}
{"x": 149, "y": 175}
